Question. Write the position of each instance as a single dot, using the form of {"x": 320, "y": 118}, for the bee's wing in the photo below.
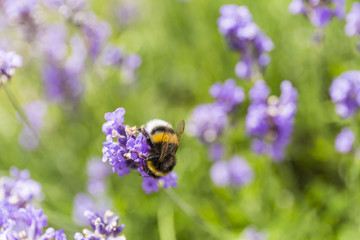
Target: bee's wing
{"x": 164, "y": 146}
{"x": 180, "y": 130}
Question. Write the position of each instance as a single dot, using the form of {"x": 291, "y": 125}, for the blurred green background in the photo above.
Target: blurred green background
{"x": 313, "y": 194}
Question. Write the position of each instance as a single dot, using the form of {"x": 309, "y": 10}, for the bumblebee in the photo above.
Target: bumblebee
{"x": 163, "y": 142}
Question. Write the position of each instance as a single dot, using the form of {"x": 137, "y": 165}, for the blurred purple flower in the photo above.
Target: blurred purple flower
{"x": 28, "y": 223}
{"x": 112, "y": 56}
{"x": 320, "y": 12}
{"x": 236, "y": 172}
{"x": 352, "y": 26}
{"x": 19, "y": 9}
{"x": 60, "y": 84}
{"x": 75, "y": 63}
{"x": 250, "y": 233}
{"x": 97, "y": 171}
{"x": 68, "y": 8}
{"x": 84, "y": 202}
{"x": 52, "y": 41}
{"x": 19, "y": 189}
{"x": 244, "y": 36}
{"x": 344, "y": 140}
{"x": 22, "y": 15}
{"x": 124, "y": 150}
{"x": 131, "y": 63}
{"x": 8, "y": 62}
{"x": 228, "y": 94}
{"x": 207, "y": 122}
{"x": 127, "y": 12}
{"x": 241, "y": 173}
{"x": 103, "y": 227}
{"x": 216, "y": 151}
{"x": 61, "y": 73}
{"x": 18, "y": 218}
{"x": 150, "y": 185}
{"x": 220, "y": 174}
{"x": 96, "y": 34}
{"x": 35, "y": 112}
{"x": 345, "y": 93}
{"x": 271, "y": 122}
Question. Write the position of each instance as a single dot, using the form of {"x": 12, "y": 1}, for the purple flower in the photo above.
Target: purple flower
{"x": 216, "y": 151}
{"x": 60, "y": 84}
{"x": 84, "y": 202}
{"x": 18, "y": 218}
{"x": 112, "y": 56}
{"x": 207, "y": 122}
{"x": 34, "y": 111}
{"x": 271, "y": 122}
{"x": 19, "y": 190}
{"x": 17, "y": 9}
{"x": 52, "y": 41}
{"x": 29, "y": 223}
{"x": 125, "y": 149}
{"x": 8, "y": 62}
{"x": 251, "y": 233}
{"x": 68, "y": 8}
{"x": 236, "y": 172}
{"x": 170, "y": 180}
{"x": 220, "y": 173}
{"x": 103, "y": 227}
{"x": 297, "y": 7}
{"x": 150, "y": 185}
{"x": 228, "y": 94}
{"x": 61, "y": 74}
{"x": 320, "y": 12}
{"x": 127, "y": 12}
{"x": 131, "y": 63}
{"x": 352, "y": 26}
{"x": 345, "y": 93}
{"x": 96, "y": 34}
{"x": 97, "y": 171}
{"x": 241, "y": 173}
{"x": 245, "y": 37}
{"x": 344, "y": 140}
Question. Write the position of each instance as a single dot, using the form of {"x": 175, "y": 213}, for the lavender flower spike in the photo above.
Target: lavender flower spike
{"x": 236, "y": 172}
{"x": 250, "y": 233}
{"x": 229, "y": 94}
{"x": 245, "y": 37}
{"x": 352, "y": 26}
{"x": 270, "y": 120}
{"x": 103, "y": 227}
{"x": 344, "y": 140}
{"x": 320, "y": 12}
{"x": 207, "y": 122}
{"x": 345, "y": 93}
{"x": 19, "y": 189}
{"x": 8, "y": 62}
{"x": 18, "y": 217}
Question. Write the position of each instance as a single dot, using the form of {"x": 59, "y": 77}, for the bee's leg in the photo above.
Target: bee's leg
{"x": 146, "y": 135}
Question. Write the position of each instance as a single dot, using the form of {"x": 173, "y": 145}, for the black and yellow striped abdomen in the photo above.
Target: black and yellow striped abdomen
{"x": 164, "y": 144}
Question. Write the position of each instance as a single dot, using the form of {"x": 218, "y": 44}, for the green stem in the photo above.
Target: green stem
{"x": 166, "y": 222}
{"x": 187, "y": 209}
{"x": 18, "y": 108}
